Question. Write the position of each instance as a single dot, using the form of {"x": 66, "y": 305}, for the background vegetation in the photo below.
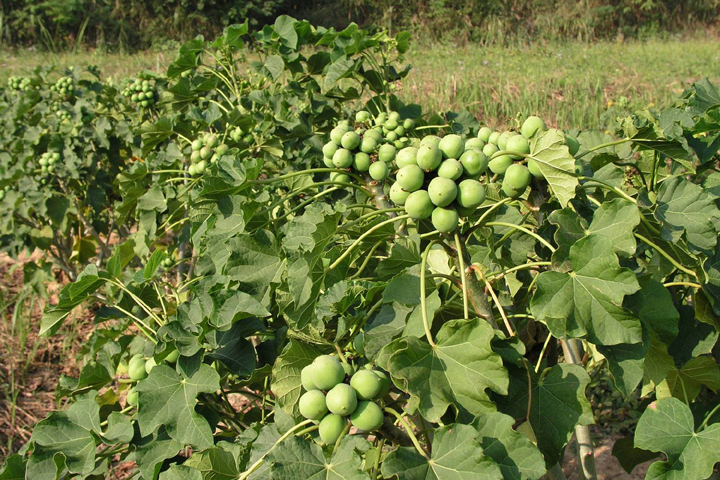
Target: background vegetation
{"x": 128, "y": 25}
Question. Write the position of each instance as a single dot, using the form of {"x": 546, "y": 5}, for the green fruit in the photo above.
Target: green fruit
{"x": 410, "y": 177}
{"x": 517, "y": 177}
{"x": 503, "y": 138}
{"x": 391, "y": 137}
{"x": 313, "y": 405}
{"x": 361, "y": 162}
{"x": 132, "y": 397}
{"x": 342, "y": 158}
{"x": 205, "y": 152}
{"x": 366, "y": 384}
{"x": 442, "y": 191}
{"x": 445, "y": 219}
{"x": 337, "y": 133}
{"x": 362, "y": 116}
{"x": 211, "y": 141}
{"x": 341, "y": 399}
{"x": 328, "y": 162}
{"x": 391, "y": 123}
{"x": 327, "y": 372}
{"x": 573, "y": 144}
{"x": 500, "y": 164}
{"x": 331, "y": 427}
{"x": 329, "y": 149}
{"x": 384, "y": 382}
{"x": 201, "y": 166}
{"x": 475, "y": 143}
{"x": 306, "y": 379}
{"x": 221, "y": 149}
{"x": 418, "y": 205}
{"x": 43, "y": 162}
{"x": 394, "y": 116}
{"x": 379, "y": 170}
{"x": 350, "y": 140}
{"x": 430, "y": 140}
{"x": 429, "y": 157}
{"x": 531, "y": 125}
{"x": 386, "y": 153}
{"x": 484, "y": 134}
{"x": 367, "y": 416}
{"x": 451, "y": 169}
{"x": 375, "y": 134}
{"x": 397, "y": 195}
{"x": 409, "y": 124}
{"x": 192, "y": 169}
{"x": 518, "y": 143}
{"x": 406, "y": 156}
{"x": 173, "y": 356}
{"x": 474, "y": 162}
{"x": 493, "y": 138}
{"x": 471, "y": 193}
{"x": 338, "y": 177}
{"x": 400, "y": 131}
{"x": 196, "y": 144}
{"x": 136, "y": 368}
{"x": 489, "y": 149}
{"x": 150, "y": 364}
{"x": 195, "y": 156}
{"x": 535, "y": 169}
{"x": 452, "y": 146}
{"x": 511, "y": 192}
{"x": 368, "y": 144}
{"x": 380, "y": 119}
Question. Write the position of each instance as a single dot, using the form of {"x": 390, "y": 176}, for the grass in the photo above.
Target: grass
{"x": 569, "y": 85}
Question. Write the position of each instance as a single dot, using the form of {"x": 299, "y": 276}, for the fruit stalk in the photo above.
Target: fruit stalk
{"x": 475, "y": 289}
{"x": 586, "y": 455}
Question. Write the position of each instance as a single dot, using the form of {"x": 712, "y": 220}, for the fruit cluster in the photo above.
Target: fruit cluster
{"x": 138, "y": 368}
{"x": 3, "y": 192}
{"x": 141, "y": 92}
{"x": 204, "y": 150}
{"x": 63, "y": 86}
{"x": 369, "y": 148}
{"x": 239, "y": 136}
{"x": 19, "y": 84}
{"x": 331, "y": 401}
{"x": 48, "y": 160}
{"x": 439, "y": 179}
{"x": 63, "y": 114}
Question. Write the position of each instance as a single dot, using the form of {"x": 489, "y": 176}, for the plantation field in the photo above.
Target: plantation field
{"x": 570, "y": 84}
{"x": 284, "y": 254}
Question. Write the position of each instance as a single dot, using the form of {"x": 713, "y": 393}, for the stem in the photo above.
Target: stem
{"x": 666, "y": 255}
{"x": 542, "y": 352}
{"x": 409, "y": 431}
{"x": 423, "y": 301}
{"x": 461, "y": 267}
{"x": 525, "y": 230}
{"x": 497, "y": 276}
{"x": 609, "y": 187}
{"x": 684, "y": 284}
{"x": 605, "y": 145}
{"x": 707, "y": 419}
{"x": 586, "y": 457}
{"x": 500, "y": 308}
{"x": 365, "y": 262}
{"x": 301, "y": 172}
{"x": 479, "y": 223}
{"x": 362, "y": 237}
{"x": 390, "y": 211}
{"x": 256, "y": 465}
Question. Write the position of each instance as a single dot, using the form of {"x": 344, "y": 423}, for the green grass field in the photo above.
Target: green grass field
{"x": 568, "y": 84}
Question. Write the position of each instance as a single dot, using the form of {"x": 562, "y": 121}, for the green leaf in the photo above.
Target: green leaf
{"x": 339, "y": 69}
{"x": 14, "y": 468}
{"x": 548, "y": 149}
{"x": 616, "y": 221}
{"x": 214, "y": 464}
{"x": 119, "y": 429}
{"x": 654, "y": 306}
{"x": 167, "y": 399}
{"x": 389, "y": 322}
{"x": 516, "y": 455}
{"x": 558, "y": 404}
{"x": 239, "y": 306}
{"x": 626, "y": 363}
{"x": 684, "y": 206}
{"x": 456, "y": 455}
{"x": 60, "y": 442}
{"x": 296, "y": 459}
{"x": 668, "y": 426}
{"x": 182, "y": 472}
{"x": 685, "y": 382}
{"x": 587, "y": 301}
{"x": 285, "y": 28}
{"x": 629, "y": 456}
{"x": 457, "y": 371}
{"x": 286, "y": 383}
